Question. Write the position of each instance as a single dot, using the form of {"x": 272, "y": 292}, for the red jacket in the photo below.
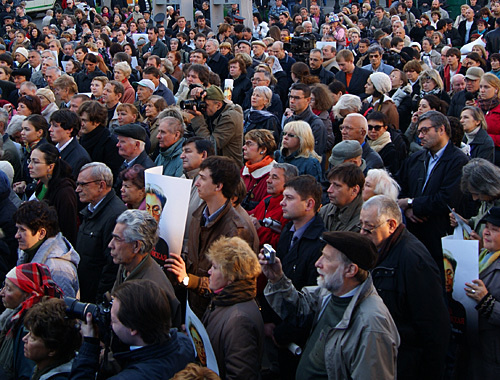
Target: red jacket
{"x": 274, "y": 211}
{"x": 256, "y": 182}
{"x": 493, "y": 121}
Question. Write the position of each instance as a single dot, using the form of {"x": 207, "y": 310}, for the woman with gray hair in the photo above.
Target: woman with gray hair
{"x": 347, "y": 104}
{"x": 480, "y": 179}
{"x": 257, "y": 117}
{"x": 122, "y": 72}
{"x": 380, "y": 182}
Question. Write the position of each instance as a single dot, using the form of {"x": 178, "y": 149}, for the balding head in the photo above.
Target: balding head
{"x": 354, "y": 127}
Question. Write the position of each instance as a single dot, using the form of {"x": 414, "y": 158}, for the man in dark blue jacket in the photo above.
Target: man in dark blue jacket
{"x": 140, "y": 318}
{"x": 430, "y": 184}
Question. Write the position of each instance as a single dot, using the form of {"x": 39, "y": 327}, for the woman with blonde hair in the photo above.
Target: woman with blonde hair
{"x": 432, "y": 84}
{"x": 476, "y": 142}
{"x": 489, "y": 102}
{"x": 297, "y": 148}
{"x": 233, "y": 320}
{"x": 122, "y": 72}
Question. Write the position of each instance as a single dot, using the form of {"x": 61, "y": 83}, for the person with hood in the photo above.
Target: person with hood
{"x": 377, "y": 85}
{"x": 41, "y": 242}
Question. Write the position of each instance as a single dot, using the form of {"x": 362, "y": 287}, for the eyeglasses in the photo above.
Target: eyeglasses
{"x": 296, "y": 97}
{"x": 348, "y": 128}
{"x": 423, "y": 130}
{"x": 376, "y": 127}
{"x": 82, "y": 184}
{"x": 291, "y": 135}
{"x": 369, "y": 230}
{"x": 35, "y": 162}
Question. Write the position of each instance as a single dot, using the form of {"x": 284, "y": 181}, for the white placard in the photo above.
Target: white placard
{"x": 173, "y": 211}
{"x": 320, "y": 44}
{"x": 136, "y": 37}
{"x": 200, "y": 340}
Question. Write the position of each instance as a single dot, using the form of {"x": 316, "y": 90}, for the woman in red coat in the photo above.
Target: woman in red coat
{"x": 489, "y": 102}
{"x": 258, "y": 151}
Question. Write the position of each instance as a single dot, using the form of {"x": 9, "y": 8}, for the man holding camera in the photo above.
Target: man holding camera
{"x": 221, "y": 122}
{"x": 140, "y": 318}
{"x": 353, "y": 334}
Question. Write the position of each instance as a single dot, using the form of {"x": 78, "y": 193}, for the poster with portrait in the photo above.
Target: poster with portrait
{"x": 167, "y": 199}
{"x": 201, "y": 342}
{"x": 461, "y": 265}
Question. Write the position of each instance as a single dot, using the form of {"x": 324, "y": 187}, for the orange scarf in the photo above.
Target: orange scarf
{"x": 264, "y": 162}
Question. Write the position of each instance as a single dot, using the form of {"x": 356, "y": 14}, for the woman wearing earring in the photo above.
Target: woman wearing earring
{"x": 489, "y": 102}
{"x": 258, "y": 151}
{"x": 55, "y": 187}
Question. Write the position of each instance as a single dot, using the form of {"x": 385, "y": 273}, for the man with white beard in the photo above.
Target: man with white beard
{"x": 353, "y": 334}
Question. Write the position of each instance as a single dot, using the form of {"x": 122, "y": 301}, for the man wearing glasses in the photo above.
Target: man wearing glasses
{"x": 299, "y": 102}
{"x": 96, "y": 271}
{"x": 408, "y": 280}
{"x": 430, "y": 183}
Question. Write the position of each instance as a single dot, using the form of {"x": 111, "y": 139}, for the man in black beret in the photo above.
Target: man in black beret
{"x": 131, "y": 146}
{"x": 353, "y": 334}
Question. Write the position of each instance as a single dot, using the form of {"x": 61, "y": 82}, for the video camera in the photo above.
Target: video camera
{"x": 191, "y": 103}
{"x": 301, "y": 46}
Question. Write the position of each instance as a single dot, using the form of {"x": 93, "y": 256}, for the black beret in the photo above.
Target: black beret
{"x": 493, "y": 216}
{"x": 134, "y": 131}
{"x": 358, "y": 248}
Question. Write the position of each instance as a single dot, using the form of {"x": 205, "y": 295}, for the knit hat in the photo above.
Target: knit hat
{"x": 381, "y": 82}
{"x": 345, "y": 150}
{"x": 8, "y": 170}
{"x": 22, "y": 51}
{"x": 47, "y": 94}
{"x": 358, "y": 248}
{"x": 214, "y": 93}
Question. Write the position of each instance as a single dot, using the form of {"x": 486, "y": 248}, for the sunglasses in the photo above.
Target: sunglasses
{"x": 376, "y": 127}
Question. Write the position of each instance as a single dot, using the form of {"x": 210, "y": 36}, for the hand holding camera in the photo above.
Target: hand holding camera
{"x": 271, "y": 265}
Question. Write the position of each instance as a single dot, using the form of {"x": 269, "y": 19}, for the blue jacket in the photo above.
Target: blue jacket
{"x": 308, "y": 165}
{"x": 151, "y": 362}
{"x": 170, "y": 159}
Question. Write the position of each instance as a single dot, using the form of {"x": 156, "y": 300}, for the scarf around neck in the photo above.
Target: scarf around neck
{"x": 488, "y": 104}
{"x": 264, "y": 162}
{"x": 378, "y": 144}
{"x": 236, "y": 292}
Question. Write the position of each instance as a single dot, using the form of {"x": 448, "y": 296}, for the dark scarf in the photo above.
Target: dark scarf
{"x": 488, "y": 104}
{"x": 389, "y": 243}
{"x": 435, "y": 91}
{"x": 236, "y": 292}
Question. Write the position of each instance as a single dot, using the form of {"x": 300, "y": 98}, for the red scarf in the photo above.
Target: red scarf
{"x": 265, "y": 161}
{"x": 447, "y": 77}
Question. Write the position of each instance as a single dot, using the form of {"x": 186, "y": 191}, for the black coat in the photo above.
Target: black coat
{"x": 482, "y": 146}
{"x": 262, "y": 120}
{"x": 372, "y": 158}
{"x": 493, "y": 41}
{"x": 462, "y": 31}
{"x": 241, "y": 85}
{"x": 431, "y": 202}
{"x": 458, "y": 103}
{"x": 96, "y": 271}
{"x": 358, "y": 81}
{"x": 76, "y": 156}
{"x": 83, "y": 79}
{"x": 219, "y": 65}
{"x": 101, "y": 147}
{"x": 298, "y": 261}
{"x": 409, "y": 282}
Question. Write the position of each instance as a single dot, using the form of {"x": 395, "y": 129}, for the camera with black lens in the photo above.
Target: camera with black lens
{"x": 191, "y": 103}
{"x": 101, "y": 314}
{"x": 269, "y": 253}
{"x": 301, "y": 46}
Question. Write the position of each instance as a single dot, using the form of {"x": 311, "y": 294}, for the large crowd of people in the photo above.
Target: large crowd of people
{"x": 329, "y": 154}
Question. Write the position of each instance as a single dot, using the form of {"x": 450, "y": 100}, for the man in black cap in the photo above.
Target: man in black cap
{"x": 131, "y": 146}
{"x": 353, "y": 333}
